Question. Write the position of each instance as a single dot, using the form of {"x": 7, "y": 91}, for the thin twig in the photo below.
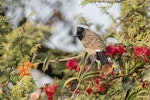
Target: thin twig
{"x": 75, "y": 91}
{"x": 123, "y": 75}
{"x": 81, "y": 79}
{"x": 88, "y": 67}
{"x": 111, "y": 1}
{"x": 65, "y": 59}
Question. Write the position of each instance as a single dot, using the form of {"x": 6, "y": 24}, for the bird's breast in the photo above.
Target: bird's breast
{"x": 90, "y": 51}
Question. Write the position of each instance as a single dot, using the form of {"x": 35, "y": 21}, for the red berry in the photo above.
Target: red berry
{"x": 96, "y": 80}
{"x": 102, "y": 77}
{"x": 89, "y": 90}
{"x": 143, "y": 84}
{"x": 111, "y": 50}
{"x": 101, "y": 88}
{"x": 120, "y": 50}
{"x": 77, "y": 91}
{"x": 78, "y": 69}
{"x": 50, "y": 90}
{"x": 72, "y": 64}
{"x": 142, "y": 51}
{"x": 138, "y": 51}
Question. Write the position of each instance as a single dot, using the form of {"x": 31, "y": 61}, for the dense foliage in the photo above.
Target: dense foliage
{"x": 81, "y": 77}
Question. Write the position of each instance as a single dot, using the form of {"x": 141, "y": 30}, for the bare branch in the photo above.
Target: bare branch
{"x": 66, "y": 59}
{"x": 111, "y": 1}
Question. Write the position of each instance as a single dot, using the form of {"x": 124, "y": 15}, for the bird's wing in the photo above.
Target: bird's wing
{"x": 93, "y": 41}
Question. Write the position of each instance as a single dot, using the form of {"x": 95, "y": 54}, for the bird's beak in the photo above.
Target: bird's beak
{"x": 76, "y": 35}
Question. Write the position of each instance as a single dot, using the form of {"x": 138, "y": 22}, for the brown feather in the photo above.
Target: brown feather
{"x": 92, "y": 42}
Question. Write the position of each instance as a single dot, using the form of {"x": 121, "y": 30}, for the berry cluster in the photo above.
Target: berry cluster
{"x": 50, "y": 90}
{"x": 142, "y": 52}
{"x": 113, "y": 50}
{"x": 25, "y": 69}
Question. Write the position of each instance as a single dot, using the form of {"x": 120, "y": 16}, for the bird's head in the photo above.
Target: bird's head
{"x": 80, "y": 33}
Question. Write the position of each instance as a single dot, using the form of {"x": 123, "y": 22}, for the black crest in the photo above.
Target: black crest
{"x": 80, "y": 33}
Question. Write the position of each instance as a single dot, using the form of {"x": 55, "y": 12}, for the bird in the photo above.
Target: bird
{"x": 94, "y": 45}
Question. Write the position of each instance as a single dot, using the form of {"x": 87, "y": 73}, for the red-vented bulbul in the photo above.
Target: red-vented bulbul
{"x": 94, "y": 45}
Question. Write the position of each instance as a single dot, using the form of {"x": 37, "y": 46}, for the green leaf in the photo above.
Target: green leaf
{"x": 69, "y": 80}
{"x": 45, "y": 64}
{"x": 3, "y": 78}
{"x": 136, "y": 94}
{"x": 142, "y": 91}
{"x": 139, "y": 65}
{"x": 90, "y": 74}
{"x": 1, "y": 97}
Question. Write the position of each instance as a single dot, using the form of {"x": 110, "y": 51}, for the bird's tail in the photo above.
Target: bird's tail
{"x": 106, "y": 67}
{"x": 100, "y": 55}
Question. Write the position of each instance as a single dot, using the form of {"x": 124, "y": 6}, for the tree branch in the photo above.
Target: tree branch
{"x": 66, "y": 59}
{"x": 111, "y": 1}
